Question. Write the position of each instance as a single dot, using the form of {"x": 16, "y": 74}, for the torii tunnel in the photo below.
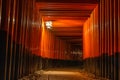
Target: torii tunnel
{"x": 38, "y": 35}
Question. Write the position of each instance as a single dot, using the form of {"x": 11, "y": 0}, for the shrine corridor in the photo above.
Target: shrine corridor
{"x": 59, "y": 39}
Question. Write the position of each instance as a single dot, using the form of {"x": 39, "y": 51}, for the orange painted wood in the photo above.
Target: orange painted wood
{"x": 106, "y": 27}
{"x": 103, "y": 27}
{"x": 67, "y": 1}
{"x": 115, "y": 20}
{"x": 90, "y": 36}
{"x": 96, "y": 33}
{"x": 111, "y": 28}
{"x": 118, "y": 25}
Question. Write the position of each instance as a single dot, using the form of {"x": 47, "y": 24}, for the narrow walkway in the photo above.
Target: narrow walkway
{"x": 61, "y": 74}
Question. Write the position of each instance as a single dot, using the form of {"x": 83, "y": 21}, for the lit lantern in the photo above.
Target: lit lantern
{"x": 48, "y": 24}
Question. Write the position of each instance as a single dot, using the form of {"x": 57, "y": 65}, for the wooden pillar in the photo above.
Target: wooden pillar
{"x": 119, "y": 35}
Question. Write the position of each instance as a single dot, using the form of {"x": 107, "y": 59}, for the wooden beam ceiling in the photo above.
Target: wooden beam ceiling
{"x": 68, "y": 17}
{"x": 70, "y": 1}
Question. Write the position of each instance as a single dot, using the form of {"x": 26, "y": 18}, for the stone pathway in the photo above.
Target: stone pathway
{"x": 61, "y": 74}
